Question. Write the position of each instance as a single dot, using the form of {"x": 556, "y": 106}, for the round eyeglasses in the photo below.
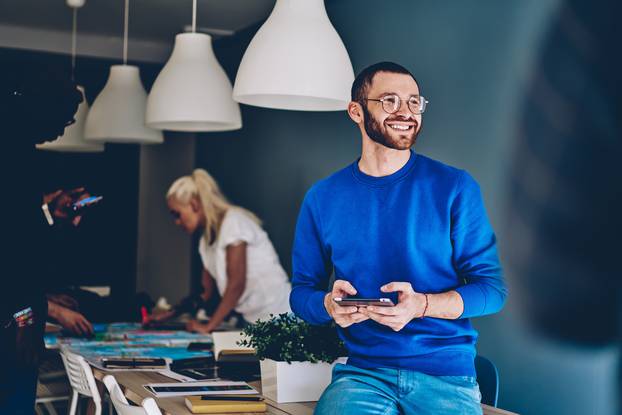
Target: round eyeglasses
{"x": 392, "y": 103}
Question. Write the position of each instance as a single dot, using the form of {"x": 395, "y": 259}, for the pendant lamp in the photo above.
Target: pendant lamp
{"x": 73, "y": 138}
{"x": 192, "y": 92}
{"x": 296, "y": 61}
{"x": 118, "y": 112}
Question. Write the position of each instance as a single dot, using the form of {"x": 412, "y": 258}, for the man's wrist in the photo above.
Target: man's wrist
{"x": 53, "y": 309}
{"x": 326, "y": 303}
{"x": 426, "y": 306}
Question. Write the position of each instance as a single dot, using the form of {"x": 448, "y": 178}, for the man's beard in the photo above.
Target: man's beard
{"x": 381, "y": 135}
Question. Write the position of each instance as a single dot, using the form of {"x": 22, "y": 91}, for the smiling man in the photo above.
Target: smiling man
{"x": 400, "y": 225}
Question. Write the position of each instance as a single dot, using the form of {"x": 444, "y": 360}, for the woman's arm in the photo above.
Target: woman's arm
{"x": 236, "y": 283}
{"x": 207, "y": 281}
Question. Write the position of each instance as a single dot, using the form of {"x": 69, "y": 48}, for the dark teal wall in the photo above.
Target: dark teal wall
{"x": 471, "y": 59}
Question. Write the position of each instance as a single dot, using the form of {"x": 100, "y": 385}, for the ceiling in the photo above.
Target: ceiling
{"x": 156, "y": 20}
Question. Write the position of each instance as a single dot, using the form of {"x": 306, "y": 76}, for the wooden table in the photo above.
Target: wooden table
{"x": 132, "y": 385}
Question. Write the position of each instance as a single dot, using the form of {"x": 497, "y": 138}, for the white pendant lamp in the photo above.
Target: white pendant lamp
{"x": 192, "y": 92}
{"x": 73, "y": 138}
{"x": 296, "y": 61}
{"x": 118, "y": 113}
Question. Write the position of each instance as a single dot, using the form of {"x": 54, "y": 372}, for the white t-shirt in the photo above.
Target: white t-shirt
{"x": 267, "y": 286}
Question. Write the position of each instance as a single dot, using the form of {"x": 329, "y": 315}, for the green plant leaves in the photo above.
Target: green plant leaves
{"x": 287, "y": 338}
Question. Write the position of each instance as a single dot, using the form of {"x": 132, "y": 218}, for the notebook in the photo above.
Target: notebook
{"x": 229, "y": 404}
{"x": 225, "y": 343}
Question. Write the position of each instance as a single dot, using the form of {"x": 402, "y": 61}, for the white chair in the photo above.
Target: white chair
{"x": 148, "y": 406}
{"x": 82, "y": 381}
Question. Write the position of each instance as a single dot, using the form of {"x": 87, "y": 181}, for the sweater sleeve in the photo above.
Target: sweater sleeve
{"x": 311, "y": 266}
{"x": 475, "y": 253}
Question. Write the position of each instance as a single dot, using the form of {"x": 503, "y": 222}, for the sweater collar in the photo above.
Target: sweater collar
{"x": 384, "y": 180}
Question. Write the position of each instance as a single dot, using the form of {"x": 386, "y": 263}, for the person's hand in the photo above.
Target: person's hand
{"x": 60, "y": 203}
{"x": 74, "y": 322}
{"x": 344, "y": 316}
{"x": 63, "y": 300}
{"x": 161, "y": 316}
{"x": 410, "y": 305}
{"x": 198, "y": 327}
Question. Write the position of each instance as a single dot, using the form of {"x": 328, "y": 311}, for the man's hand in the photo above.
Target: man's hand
{"x": 75, "y": 322}
{"x": 343, "y": 316}
{"x": 60, "y": 203}
{"x": 410, "y": 305}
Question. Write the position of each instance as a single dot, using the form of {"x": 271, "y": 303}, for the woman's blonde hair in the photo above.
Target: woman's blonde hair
{"x": 201, "y": 186}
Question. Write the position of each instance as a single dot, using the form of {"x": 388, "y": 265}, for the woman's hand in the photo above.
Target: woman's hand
{"x": 161, "y": 316}
{"x": 198, "y": 327}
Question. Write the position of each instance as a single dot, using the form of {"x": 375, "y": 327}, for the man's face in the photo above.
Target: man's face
{"x": 398, "y": 130}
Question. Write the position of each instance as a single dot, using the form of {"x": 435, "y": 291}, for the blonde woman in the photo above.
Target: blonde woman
{"x": 238, "y": 258}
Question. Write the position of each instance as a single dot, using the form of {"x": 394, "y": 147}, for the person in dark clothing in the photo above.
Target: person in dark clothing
{"x": 36, "y": 104}
{"x": 565, "y": 195}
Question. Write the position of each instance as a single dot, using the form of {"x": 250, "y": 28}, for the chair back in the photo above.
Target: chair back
{"x": 151, "y": 407}
{"x": 488, "y": 380}
{"x": 80, "y": 375}
{"x": 122, "y": 406}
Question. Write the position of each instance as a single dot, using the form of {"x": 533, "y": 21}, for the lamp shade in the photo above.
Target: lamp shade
{"x": 296, "y": 61}
{"x": 118, "y": 113}
{"x": 72, "y": 140}
{"x": 192, "y": 92}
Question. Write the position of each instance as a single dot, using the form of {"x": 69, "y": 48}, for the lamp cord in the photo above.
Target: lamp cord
{"x": 73, "y": 42}
{"x": 125, "y": 28}
{"x": 194, "y": 16}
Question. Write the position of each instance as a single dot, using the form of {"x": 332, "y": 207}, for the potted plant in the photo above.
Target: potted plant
{"x": 296, "y": 358}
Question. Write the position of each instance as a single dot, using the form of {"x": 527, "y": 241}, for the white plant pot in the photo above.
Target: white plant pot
{"x": 297, "y": 381}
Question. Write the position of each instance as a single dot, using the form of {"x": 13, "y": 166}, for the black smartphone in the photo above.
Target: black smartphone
{"x": 132, "y": 362}
{"x": 89, "y": 201}
{"x": 363, "y": 302}
{"x": 200, "y": 346}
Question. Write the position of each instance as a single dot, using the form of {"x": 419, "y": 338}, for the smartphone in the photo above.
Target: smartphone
{"x": 132, "y": 362}
{"x": 354, "y": 301}
{"x": 200, "y": 346}
{"x": 81, "y": 204}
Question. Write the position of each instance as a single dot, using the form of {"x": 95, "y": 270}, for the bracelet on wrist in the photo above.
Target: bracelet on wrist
{"x": 425, "y": 309}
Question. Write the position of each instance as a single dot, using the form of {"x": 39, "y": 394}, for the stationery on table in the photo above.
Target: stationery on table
{"x": 226, "y": 346}
{"x": 209, "y": 404}
{"x": 186, "y": 370}
{"x": 164, "y": 390}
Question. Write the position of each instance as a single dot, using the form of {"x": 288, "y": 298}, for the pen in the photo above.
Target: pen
{"x": 231, "y": 398}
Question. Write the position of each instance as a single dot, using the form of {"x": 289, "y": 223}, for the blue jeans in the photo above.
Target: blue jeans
{"x": 356, "y": 391}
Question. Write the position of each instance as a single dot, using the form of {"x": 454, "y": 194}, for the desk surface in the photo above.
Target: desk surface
{"x": 132, "y": 384}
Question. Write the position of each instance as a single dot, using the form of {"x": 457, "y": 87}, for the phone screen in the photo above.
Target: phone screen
{"x": 85, "y": 202}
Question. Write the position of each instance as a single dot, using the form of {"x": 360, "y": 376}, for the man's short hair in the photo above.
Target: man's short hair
{"x": 363, "y": 80}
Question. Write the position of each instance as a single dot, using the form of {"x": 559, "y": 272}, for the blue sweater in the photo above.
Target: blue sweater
{"x": 424, "y": 224}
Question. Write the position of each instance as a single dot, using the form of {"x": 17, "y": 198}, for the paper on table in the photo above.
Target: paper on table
{"x": 216, "y": 387}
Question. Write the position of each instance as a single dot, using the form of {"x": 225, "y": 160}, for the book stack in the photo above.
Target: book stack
{"x": 211, "y": 404}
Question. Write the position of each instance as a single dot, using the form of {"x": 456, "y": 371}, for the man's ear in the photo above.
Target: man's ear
{"x": 195, "y": 205}
{"x": 355, "y": 111}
